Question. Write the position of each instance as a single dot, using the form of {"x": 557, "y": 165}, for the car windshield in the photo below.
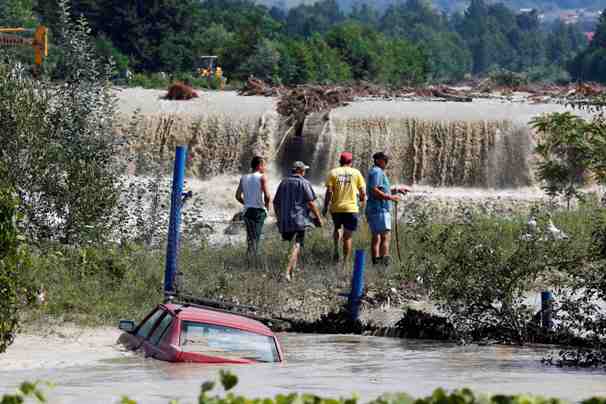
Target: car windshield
{"x": 226, "y": 342}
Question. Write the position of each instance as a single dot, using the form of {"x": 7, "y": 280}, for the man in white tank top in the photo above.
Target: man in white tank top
{"x": 253, "y": 193}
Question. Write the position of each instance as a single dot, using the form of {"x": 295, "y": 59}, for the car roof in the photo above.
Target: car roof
{"x": 211, "y": 316}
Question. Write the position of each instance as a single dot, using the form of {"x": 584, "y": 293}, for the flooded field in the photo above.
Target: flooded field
{"x": 89, "y": 368}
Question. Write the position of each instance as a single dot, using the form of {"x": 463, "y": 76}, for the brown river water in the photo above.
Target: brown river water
{"x": 86, "y": 367}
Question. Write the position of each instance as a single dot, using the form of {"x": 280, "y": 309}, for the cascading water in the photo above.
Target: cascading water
{"x": 479, "y": 144}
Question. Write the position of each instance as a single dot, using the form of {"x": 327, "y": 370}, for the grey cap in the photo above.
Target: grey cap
{"x": 299, "y": 165}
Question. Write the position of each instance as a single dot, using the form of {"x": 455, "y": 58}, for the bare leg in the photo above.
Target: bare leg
{"x": 347, "y": 247}
{"x": 292, "y": 261}
{"x": 347, "y": 244}
{"x": 336, "y": 240}
{"x": 385, "y": 240}
{"x": 375, "y": 244}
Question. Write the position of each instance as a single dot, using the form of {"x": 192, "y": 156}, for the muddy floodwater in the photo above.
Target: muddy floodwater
{"x": 89, "y": 368}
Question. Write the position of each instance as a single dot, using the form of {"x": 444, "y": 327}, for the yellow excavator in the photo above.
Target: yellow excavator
{"x": 210, "y": 70}
{"x": 39, "y": 41}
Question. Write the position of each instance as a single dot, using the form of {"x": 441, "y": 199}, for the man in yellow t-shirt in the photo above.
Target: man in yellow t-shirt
{"x": 345, "y": 192}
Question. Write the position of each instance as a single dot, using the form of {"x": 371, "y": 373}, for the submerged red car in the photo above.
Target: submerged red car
{"x": 188, "y": 333}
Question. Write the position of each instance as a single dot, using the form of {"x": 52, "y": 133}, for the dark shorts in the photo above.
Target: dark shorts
{"x": 298, "y": 236}
{"x": 349, "y": 221}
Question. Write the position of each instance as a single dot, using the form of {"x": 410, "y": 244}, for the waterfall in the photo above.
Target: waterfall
{"x": 470, "y": 152}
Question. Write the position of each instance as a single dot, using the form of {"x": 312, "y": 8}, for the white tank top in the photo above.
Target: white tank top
{"x": 251, "y": 187}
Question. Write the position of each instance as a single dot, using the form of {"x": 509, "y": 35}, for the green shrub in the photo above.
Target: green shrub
{"x": 506, "y": 78}
{"x": 229, "y": 381}
{"x": 149, "y": 81}
{"x": 15, "y": 288}
{"x": 58, "y": 142}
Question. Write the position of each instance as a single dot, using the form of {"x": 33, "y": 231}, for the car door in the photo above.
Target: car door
{"x": 157, "y": 344}
{"x": 132, "y": 341}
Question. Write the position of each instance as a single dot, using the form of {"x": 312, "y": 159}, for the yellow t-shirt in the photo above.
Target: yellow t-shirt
{"x": 345, "y": 184}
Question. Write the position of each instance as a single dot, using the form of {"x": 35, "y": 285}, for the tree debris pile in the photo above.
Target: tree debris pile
{"x": 258, "y": 87}
{"x": 309, "y": 99}
{"x": 180, "y": 91}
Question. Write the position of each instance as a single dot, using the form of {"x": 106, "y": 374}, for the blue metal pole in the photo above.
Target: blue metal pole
{"x": 174, "y": 227}
{"x": 547, "y": 310}
{"x": 357, "y": 285}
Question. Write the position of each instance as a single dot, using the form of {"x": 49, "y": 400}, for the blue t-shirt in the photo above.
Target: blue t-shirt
{"x": 378, "y": 179}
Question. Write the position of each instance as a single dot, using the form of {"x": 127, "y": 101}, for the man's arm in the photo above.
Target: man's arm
{"x": 399, "y": 189}
{"x": 330, "y": 183}
{"x": 239, "y": 193}
{"x": 277, "y": 202}
{"x": 312, "y": 206}
{"x": 310, "y": 196}
{"x": 362, "y": 196}
{"x": 361, "y": 189}
{"x": 376, "y": 191}
{"x": 265, "y": 189}
{"x": 327, "y": 200}
{"x": 375, "y": 179}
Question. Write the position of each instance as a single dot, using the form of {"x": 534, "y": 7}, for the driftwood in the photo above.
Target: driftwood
{"x": 298, "y": 102}
{"x": 304, "y": 100}
{"x": 255, "y": 86}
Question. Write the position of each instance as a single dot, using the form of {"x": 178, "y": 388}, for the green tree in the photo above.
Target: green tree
{"x": 264, "y": 63}
{"x": 565, "y": 152}
{"x": 14, "y": 264}
{"x": 360, "y": 47}
{"x": 59, "y": 143}
{"x": 17, "y": 13}
{"x": 589, "y": 64}
{"x": 403, "y": 64}
{"x": 304, "y": 20}
{"x": 365, "y": 14}
{"x": 329, "y": 66}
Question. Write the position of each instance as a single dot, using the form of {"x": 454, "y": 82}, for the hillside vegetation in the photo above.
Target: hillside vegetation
{"x": 408, "y": 42}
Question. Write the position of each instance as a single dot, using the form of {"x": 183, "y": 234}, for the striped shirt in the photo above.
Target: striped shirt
{"x": 290, "y": 204}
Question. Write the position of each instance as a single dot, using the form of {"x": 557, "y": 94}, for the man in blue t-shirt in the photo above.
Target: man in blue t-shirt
{"x": 378, "y": 207}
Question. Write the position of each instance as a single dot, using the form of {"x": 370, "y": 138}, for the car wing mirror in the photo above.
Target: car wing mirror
{"x": 126, "y": 325}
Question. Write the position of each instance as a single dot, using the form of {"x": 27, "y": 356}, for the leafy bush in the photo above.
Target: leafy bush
{"x": 58, "y": 142}
{"x": 572, "y": 149}
{"x": 506, "y": 78}
{"x": 14, "y": 266}
{"x": 149, "y": 81}
{"x": 439, "y": 396}
{"x": 565, "y": 153}
{"x": 26, "y": 390}
{"x": 229, "y": 381}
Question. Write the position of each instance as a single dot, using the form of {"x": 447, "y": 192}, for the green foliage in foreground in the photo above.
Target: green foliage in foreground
{"x": 25, "y": 391}
{"x": 229, "y": 381}
{"x": 13, "y": 265}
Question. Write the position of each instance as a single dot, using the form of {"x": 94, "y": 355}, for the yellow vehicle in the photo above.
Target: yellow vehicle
{"x": 208, "y": 69}
{"x": 39, "y": 41}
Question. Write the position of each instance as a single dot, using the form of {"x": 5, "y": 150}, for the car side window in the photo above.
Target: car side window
{"x": 161, "y": 329}
{"x": 148, "y": 325}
